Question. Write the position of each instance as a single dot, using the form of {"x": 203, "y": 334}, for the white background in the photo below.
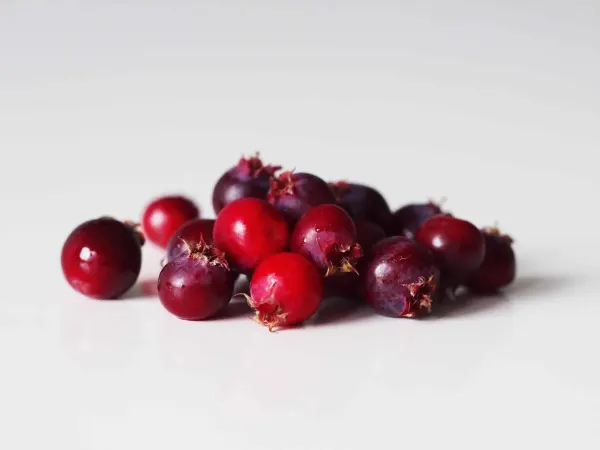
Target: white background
{"x": 494, "y": 105}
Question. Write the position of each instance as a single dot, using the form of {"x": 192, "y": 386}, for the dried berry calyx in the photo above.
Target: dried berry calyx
{"x": 253, "y": 167}
{"x": 282, "y": 185}
{"x": 495, "y": 231}
{"x": 339, "y": 188}
{"x": 268, "y": 313}
{"x": 201, "y": 250}
{"x": 342, "y": 258}
{"x": 137, "y": 230}
{"x": 421, "y": 293}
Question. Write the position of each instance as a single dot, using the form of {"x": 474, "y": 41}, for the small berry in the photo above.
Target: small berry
{"x": 399, "y": 278}
{"x": 326, "y": 236}
{"x": 102, "y": 258}
{"x": 195, "y": 230}
{"x": 249, "y": 230}
{"x": 368, "y": 234}
{"x": 363, "y": 202}
{"x": 196, "y": 285}
{"x": 285, "y": 290}
{"x": 408, "y": 219}
{"x": 293, "y": 194}
{"x": 249, "y": 178}
{"x": 457, "y": 245}
{"x": 499, "y": 264}
{"x": 163, "y": 217}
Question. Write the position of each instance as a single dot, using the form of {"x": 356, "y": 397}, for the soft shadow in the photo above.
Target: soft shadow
{"x": 466, "y": 304}
{"x": 142, "y": 289}
{"x": 537, "y": 284}
{"x": 339, "y": 310}
{"x": 242, "y": 286}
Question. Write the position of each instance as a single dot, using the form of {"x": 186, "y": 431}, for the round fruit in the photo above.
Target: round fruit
{"x": 293, "y": 194}
{"x": 399, "y": 278}
{"x": 250, "y": 178}
{"x": 368, "y": 234}
{"x": 191, "y": 231}
{"x": 196, "y": 285}
{"x": 285, "y": 290}
{"x": 499, "y": 264}
{"x": 249, "y": 230}
{"x": 408, "y": 219}
{"x": 458, "y": 247}
{"x": 363, "y": 202}
{"x": 326, "y": 236}
{"x": 102, "y": 258}
{"x": 163, "y": 217}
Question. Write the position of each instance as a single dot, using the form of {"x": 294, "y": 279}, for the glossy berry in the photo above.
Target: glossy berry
{"x": 408, "y": 219}
{"x": 196, "y": 285}
{"x": 499, "y": 264}
{"x": 458, "y": 247}
{"x": 293, "y": 194}
{"x": 285, "y": 290}
{"x": 249, "y": 178}
{"x": 399, "y": 278}
{"x": 326, "y": 236}
{"x": 163, "y": 217}
{"x": 192, "y": 231}
{"x": 102, "y": 258}
{"x": 249, "y": 230}
{"x": 363, "y": 203}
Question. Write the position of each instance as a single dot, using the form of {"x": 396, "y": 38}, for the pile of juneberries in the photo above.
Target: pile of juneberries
{"x": 297, "y": 238}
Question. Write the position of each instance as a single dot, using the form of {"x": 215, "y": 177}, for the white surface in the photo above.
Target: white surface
{"x": 495, "y": 107}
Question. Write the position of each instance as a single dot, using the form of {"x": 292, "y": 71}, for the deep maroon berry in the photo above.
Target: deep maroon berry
{"x": 250, "y": 178}
{"x": 458, "y": 247}
{"x": 499, "y": 265}
{"x": 293, "y": 194}
{"x": 368, "y": 234}
{"x": 363, "y": 202}
{"x": 102, "y": 258}
{"x": 285, "y": 290}
{"x": 408, "y": 219}
{"x": 326, "y": 236}
{"x": 163, "y": 217}
{"x": 249, "y": 230}
{"x": 399, "y": 278}
{"x": 196, "y": 285}
{"x": 192, "y": 231}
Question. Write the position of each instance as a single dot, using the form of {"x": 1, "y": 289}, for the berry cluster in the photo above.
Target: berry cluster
{"x": 297, "y": 238}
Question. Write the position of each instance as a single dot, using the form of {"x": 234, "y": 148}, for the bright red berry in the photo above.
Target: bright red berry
{"x": 163, "y": 217}
{"x": 293, "y": 194}
{"x": 249, "y": 178}
{"x": 499, "y": 265}
{"x": 458, "y": 247}
{"x": 196, "y": 285}
{"x": 399, "y": 278}
{"x": 102, "y": 258}
{"x": 249, "y": 230}
{"x": 285, "y": 290}
{"x": 363, "y": 203}
{"x": 195, "y": 230}
{"x": 326, "y": 236}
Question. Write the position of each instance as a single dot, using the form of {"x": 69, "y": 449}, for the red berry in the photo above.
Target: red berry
{"x": 192, "y": 231}
{"x": 249, "y": 230}
{"x": 293, "y": 194}
{"x": 196, "y": 285}
{"x": 285, "y": 290}
{"x": 326, "y": 236}
{"x": 102, "y": 258}
{"x": 250, "y": 178}
{"x": 408, "y": 219}
{"x": 399, "y": 278}
{"x": 163, "y": 217}
{"x": 499, "y": 264}
{"x": 363, "y": 203}
{"x": 457, "y": 245}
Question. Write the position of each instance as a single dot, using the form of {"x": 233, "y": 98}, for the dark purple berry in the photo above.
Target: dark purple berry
{"x": 408, "y": 219}
{"x": 399, "y": 278}
{"x": 499, "y": 265}
{"x": 192, "y": 231}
